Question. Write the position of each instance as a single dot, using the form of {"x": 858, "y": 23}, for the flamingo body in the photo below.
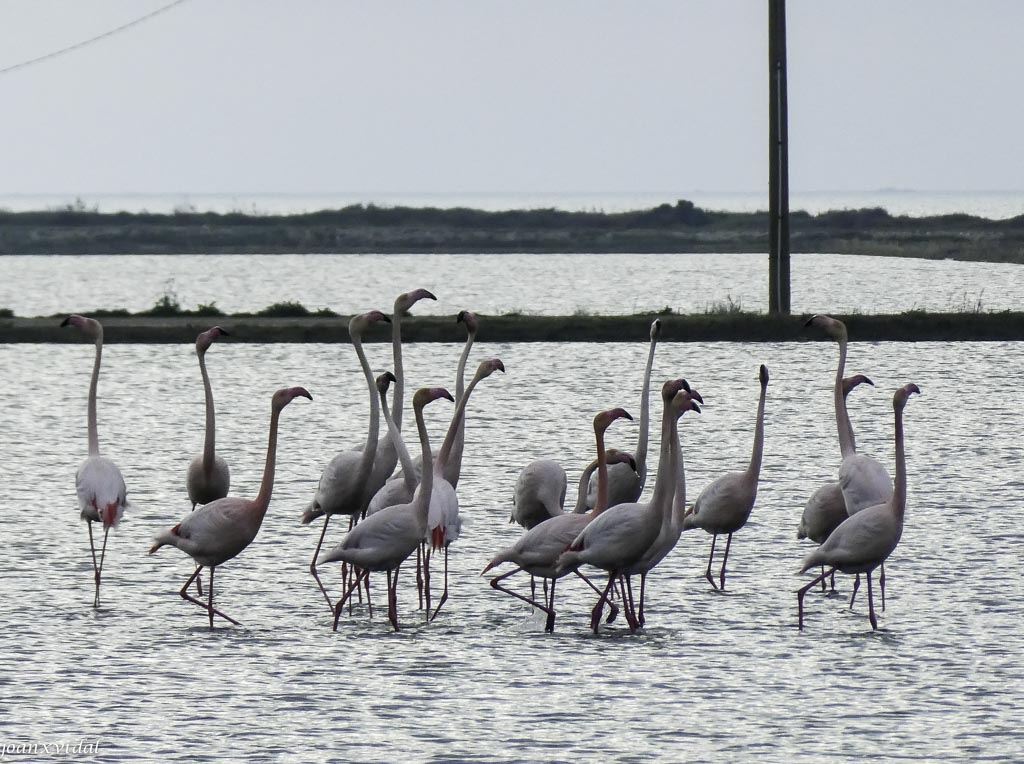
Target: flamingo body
{"x": 101, "y": 491}
{"x": 539, "y": 492}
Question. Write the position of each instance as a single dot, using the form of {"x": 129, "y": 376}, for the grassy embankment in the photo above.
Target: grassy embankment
{"x": 359, "y": 229}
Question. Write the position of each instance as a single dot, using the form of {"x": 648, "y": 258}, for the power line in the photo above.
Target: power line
{"x": 91, "y": 40}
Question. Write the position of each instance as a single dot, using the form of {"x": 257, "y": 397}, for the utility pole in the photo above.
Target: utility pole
{"x": 778, "y": 170}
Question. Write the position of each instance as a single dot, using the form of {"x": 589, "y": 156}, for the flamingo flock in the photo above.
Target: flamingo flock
{"x": 856, "y": 520}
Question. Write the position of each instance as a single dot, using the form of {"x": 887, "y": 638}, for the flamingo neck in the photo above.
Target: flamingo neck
{"x": 396, "y": 349}
{"x": 94, "y": 437}
{"x": 370, "y": 450}
{"x": 847, "y": 447}
{"x": 267, "y": 484}
{"x": 601, "y": 502}
{"x": 665, "y": 482}
{"x": 754, "y": 469}
{"x": 408, "y": 470}
{"x": 899, "y": 495}
{"x": 427, "y": 480}
{"x": 456, "y": 426}
{"x": 581, "y": 490}
{"x": 679, "y": 497}
{"x": 640, "y": 455}
{"x": 453, "y": 467}
{"x": 211, "y": 426}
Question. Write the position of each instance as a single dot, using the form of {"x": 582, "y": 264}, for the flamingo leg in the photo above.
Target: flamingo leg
{"x": 627, "y": 603}
{"x": 426, "y": 579}
{"x": 496, "y": 584}
{"x": 823, "y": 586}
{"x": 881, "y": 582}
{"x": 347, "y": 595}
{"x": 856, "y": 586}
{"x": 614, "y": 608}
{"x": 208, "y": 606}
{"x": 419, "y": 575}
{"x": 725, "y": 558}
{"x": 711, "y": 557}
{"x": 366, "y": 585}
{"x": 312, "y": 565}
{"x": 800, "y": 597}
{"x": 640, "y": 612}
{"x": 595, "y": 614}
{"x": 97, "y": 568}
{"x": 444, "y": 594}
{"x": 871, "y": 605}
{"x": 393, "y": 598}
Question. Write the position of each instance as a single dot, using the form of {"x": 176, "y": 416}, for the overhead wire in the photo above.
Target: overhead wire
{"x": 91, "y": 40}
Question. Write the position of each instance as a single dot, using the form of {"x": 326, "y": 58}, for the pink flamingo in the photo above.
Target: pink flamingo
{"x": 865, "y": 540}
{"x": 384, "y": 540}
{"x": 344, "y": 487}
{"x": 208, "y": 477}
{"x": 725, "y": 504}
{"x": 102, "y": 496}
{"x": 220, "y": 530}
{"x": 537, "y": 551}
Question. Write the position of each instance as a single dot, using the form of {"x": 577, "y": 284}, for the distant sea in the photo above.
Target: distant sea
{"x": 989, "y": 204}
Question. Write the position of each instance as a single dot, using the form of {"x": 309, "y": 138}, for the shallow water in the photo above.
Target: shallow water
{"x": 712, "y": 676}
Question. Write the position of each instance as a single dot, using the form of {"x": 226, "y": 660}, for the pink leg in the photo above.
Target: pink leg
{"x": 347, "y": 595}
{"x": 856, "y": 586}
{"x": 881, "y": 582}
{"x": 444, "y": 594}
{"x": 871, "y": 605}
{"x": 393, "y": 598}
{"x": 640, "y": 612}
{"x": 725, "y": 558}
{"x": 312, "y": 565}
{"x": 800, "y": 597}
{"x": 614, "y": 608}
{"x": 496, "y": 584}
{"x": 627, "y": 603}
{"x": 595, "y": 615}
{"x": 208, "y": 606}
{"x": 711, "y": 557}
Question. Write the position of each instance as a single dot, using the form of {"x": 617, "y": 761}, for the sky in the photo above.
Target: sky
{"x": 465, "y": 96}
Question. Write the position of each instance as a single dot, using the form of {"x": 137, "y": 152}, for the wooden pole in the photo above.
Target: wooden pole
{"x": 778, "y": 169}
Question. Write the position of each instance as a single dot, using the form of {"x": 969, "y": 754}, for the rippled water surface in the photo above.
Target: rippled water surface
{"x": 713, "y": 677}
{"x": 493, "y": 284}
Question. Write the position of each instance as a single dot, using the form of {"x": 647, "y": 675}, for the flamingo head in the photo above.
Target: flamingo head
{"x": 615, "y": 456}
{"x": 384, "y": 381}
{"x": 851, "y": 382}
{"x": 286, "y": 395}
{"x": 603, "y": 419}
{"x": 92, "y": 328}
{"x": 762, "y": 375}
{"x": 426, "y": 395}
{"x": 655, "y": 329}
{"x": 406, "y": 300}
{"x": 358, "y": 324}
{"x": 207, "y": 338}
{"x": 468, "y": 318}
{"x": 833, "y": 327}
{"x": 685, "y": 401}
{"x": 488, "y": 367}
{"x": 899, "y": 398}
{"x": 673, "y": 386}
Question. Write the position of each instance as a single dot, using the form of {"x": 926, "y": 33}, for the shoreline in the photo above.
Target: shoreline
{"x": 735, "y": 327}
{"x": 369, "y": 229}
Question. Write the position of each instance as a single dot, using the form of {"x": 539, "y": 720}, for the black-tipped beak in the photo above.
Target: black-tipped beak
{"x": 696, "y": 408}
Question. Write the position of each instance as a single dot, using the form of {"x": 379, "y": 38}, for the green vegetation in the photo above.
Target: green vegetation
{"x": 679, "y": 227}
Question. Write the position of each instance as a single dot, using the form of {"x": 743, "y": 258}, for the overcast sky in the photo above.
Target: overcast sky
{"x": 457, "y": 96}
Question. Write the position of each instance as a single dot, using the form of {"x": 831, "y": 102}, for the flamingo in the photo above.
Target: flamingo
{"x": 344, "y": 484}
{"x": 208, "y": 476}
{"x": 865, "y": 540}
{"x": 102, "y": 496}
{"x": 383, "y": 541}
{"x": 725, "y": 504}
{"x": 624, "y": 484}
{"x": 826, "y": 509}
{"x": 672, "y": 520}
{"x": 863, "y": 480}
{"x": 386, "y": 454}
{"x": 452, "y": 465}
{"x": 539, "y": 493}
{"x": 537, "y": 551}
{"x": 444, "y": 524}
{"x": 220, "y": 530}
{"x": 399, "y": 490}
{"x": 618, "y": 538}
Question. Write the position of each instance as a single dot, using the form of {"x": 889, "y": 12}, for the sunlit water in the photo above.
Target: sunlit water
{"x": 712, "y": 677}
{"x": 495, "y": 284}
